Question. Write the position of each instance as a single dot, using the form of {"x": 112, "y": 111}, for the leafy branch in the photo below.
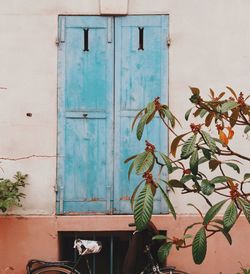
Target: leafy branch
{"x": 189, "y": 153}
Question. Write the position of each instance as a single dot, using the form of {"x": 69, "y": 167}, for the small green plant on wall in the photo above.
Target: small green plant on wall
{"x": 244, "y": 270}
{"x": 207, "y": 144}
{"x": 10, "y": 191}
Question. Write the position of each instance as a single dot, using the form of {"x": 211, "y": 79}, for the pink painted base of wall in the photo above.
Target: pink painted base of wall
{"x": 24, "y": 238}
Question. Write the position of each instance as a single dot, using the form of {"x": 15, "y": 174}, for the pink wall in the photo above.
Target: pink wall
{"x": 23, "y": 238}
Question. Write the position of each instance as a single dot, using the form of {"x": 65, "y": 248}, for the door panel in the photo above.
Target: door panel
{"x": 140, "y": 76}
{"x": 85, "y": 163}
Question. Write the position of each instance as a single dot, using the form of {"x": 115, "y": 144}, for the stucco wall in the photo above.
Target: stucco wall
{"x": 209, "y": 48}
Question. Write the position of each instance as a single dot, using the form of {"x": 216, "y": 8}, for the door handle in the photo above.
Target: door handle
{"x": 85, "y": 115}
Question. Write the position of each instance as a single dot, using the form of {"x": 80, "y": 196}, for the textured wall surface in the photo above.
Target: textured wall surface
{"x": 209, "y": 48}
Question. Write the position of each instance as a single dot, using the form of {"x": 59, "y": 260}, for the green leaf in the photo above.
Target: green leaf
{"x": 225, "y": 107}
{"x": 206, "y": 153}
{"x": 159, "y": 237}
{"x": 210, "y": 142}
{"x": 143, "y": 162}
{"x": 188, "y": 147}
{"x": 163, "y": 251}
{"x": 191, "y": 226}
{"x": 167, "y": 162}
{"x": 150, "y": 107}
{"x": 202, "y": 160}
{"x": 230, "y": 216}
{"x": 188, "y": 113}
{"x": 220, "y": 179}
{"x": 245, "y": 206}
{"x": 234, "y": 166}
{"x": 175, "y": 143}
{"x": 194, "y": 162}
{"x": 206, "y": 187}
{"x": 247, "y": 128}
{"x": 168, "y": 202}
{"x": 203, "y": 112}
{"x": 246, "y": 176}
{"x": 188, "y": 177}
{"x": 225, "y": 233}
{"x": 199, "y": 246}
{"x": 134, "y": 193}
{"x": 143, "y": 208}
{"x": 213, "y": 211}
{"x": 136, "y": 117}
{"x": 141, "y": 125}
{"x": 131, "y": 167}
{"x": 129, "y": 159}
{"x": 167, "y": 183}
{"x": 169, "y": 115}
{"x": 175, "y": 183}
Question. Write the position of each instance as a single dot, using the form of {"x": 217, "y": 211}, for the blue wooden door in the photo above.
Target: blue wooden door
{"x": 109, "y": 68}
{"x": 85, "y": 162}
{"x": 140, "y": 76}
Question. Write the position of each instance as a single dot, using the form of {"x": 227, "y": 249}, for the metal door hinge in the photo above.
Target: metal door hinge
{"x": 61, "y": 32}
{"x": 56, "y": 188}
{"x": 168, "y": 41}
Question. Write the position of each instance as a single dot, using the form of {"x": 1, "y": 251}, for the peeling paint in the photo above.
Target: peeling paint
{"x": 125, "y": 198}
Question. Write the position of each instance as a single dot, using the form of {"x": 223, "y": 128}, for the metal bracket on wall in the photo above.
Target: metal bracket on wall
{"x": 168, "y": 41}
{"x": 61, "y": 33}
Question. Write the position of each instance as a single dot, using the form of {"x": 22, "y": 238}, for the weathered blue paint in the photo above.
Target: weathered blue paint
{"x": 100, "y": 91}
{"x": 141, "y": 75}
{"x": 85, "y": 162}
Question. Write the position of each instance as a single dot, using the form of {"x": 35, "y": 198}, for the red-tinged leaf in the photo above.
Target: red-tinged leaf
{"x": 195, "y": 91}
{"x": 150, "y": 118}
{"x": 136, "y": 117}
{"x": 223, "y": 137}
{"x": 209, "y": 119}
{"x": 129, "y": 159}
{"x": 234, "y": 116}
{"x": 221, "y": 95}
{"x": 175, "y": 144}
{"x": 230, "y": 133}
{"x": 232, "y": 91}
{"x": 197, "y": 112}
{"x": 213, "y": 164}
{"x": 212, "y": 93}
